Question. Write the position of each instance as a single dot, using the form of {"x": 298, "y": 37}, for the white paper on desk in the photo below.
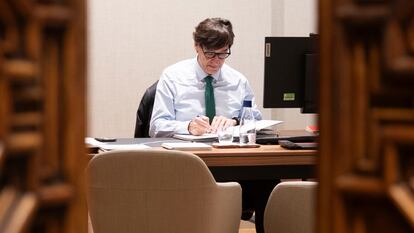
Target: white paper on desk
{"x": 186, "y": 146}
{"x": 266, "y": 123}
{"x": 108, "y": 146}
{"x": 92, "y": 142}
{"x": 205, "y": 137}
{"x": 189, "y": 137}
{"x": 124, "y": 146}
{"x": 262, "y": 124}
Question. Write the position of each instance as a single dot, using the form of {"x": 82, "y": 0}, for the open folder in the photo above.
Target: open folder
{"x": 262, "y": 124}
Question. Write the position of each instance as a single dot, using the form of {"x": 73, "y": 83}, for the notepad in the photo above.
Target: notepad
{"x": 186, "y": 146}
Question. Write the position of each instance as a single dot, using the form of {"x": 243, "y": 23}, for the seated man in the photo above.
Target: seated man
{"x": 203, "y": 94}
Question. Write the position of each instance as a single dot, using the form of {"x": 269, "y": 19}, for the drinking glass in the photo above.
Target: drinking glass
{"x": 225, "y": 135}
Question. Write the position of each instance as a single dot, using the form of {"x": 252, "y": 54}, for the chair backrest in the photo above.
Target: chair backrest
{"x": 291, "y": 207}
{"x": 144, "y": 112}
{"x": 152, "y": 191}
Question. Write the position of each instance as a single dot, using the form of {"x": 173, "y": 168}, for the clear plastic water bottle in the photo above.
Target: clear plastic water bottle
{"x": 247, "y": 131}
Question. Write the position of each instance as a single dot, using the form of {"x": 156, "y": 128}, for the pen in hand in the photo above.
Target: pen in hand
{"x": 203, "y": 123}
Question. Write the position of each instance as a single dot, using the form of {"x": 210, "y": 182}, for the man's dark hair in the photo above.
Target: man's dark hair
{"x": 214, "y": 33}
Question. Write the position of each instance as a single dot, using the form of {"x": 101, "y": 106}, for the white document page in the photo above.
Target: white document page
{"x": 262, "y": 124}
{"x": 266, "y": 123}
{"x": 107, "y": 146}
{"x": 186, "y": 146}
{"x": 124, "y": 147}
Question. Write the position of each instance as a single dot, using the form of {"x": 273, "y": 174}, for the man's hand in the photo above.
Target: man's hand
{"x": 220, "y": 122}
{"x": 199, "y": 125}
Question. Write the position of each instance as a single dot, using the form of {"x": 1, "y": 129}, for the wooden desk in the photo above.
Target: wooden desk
{"x": 265, "y": 162}
{"x": 265, "y": 155}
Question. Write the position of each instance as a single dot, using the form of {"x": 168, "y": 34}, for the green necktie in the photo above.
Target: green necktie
{"x": 209, "y": 98}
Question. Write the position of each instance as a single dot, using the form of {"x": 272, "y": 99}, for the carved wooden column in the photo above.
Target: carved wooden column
{"x": 42, "y": 116}
{"x": 366, "y": 162}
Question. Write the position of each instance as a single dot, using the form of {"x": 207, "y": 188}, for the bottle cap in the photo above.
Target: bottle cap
{"x": 247, "y": 103}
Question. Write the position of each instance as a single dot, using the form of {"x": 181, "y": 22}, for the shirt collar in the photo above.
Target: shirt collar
{"x": 201, "y": 74}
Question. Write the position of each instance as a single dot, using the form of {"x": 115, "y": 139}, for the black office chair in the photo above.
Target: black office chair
{"x": 144, "y": 112}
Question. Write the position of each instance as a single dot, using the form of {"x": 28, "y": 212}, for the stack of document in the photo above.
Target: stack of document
{"x": 208, "y": 137}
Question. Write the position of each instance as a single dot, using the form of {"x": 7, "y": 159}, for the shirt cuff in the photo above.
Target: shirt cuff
{"x": 183, "y": 127}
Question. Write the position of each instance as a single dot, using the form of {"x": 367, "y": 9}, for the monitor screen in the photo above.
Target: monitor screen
{"x": 291, "y": 72}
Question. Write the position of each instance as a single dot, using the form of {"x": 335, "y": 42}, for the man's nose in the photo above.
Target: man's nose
{"x": 216, "y": 59}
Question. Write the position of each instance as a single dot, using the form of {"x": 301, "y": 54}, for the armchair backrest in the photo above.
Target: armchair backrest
{"x": 144, "y": 112}
{"x": 152, "y": 191}
{"x": 291, "y": 208}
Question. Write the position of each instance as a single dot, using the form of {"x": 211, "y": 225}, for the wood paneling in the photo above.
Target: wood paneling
{"x": 366, "y": 103}
{"x": 42, "y": 116}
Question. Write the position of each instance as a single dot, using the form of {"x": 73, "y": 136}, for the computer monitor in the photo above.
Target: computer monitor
{"x": 291, "y": 73}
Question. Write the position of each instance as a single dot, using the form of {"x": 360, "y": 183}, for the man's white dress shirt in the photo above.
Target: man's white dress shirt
{"x": 180, "y": 97}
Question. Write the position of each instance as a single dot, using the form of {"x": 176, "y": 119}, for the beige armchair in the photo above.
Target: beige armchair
{"x": 157, "y": 191}
{"x": 291, "y": 208}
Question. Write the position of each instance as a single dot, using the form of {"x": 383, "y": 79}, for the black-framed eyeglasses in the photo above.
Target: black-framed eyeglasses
{"x": 210, "y": 54}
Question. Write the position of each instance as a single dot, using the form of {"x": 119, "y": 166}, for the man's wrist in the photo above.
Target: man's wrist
{"x": 236, "y": 119}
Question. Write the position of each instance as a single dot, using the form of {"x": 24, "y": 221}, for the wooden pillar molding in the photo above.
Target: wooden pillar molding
{"x": 366, "y": 164}
{"x": 42, "y": 116}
